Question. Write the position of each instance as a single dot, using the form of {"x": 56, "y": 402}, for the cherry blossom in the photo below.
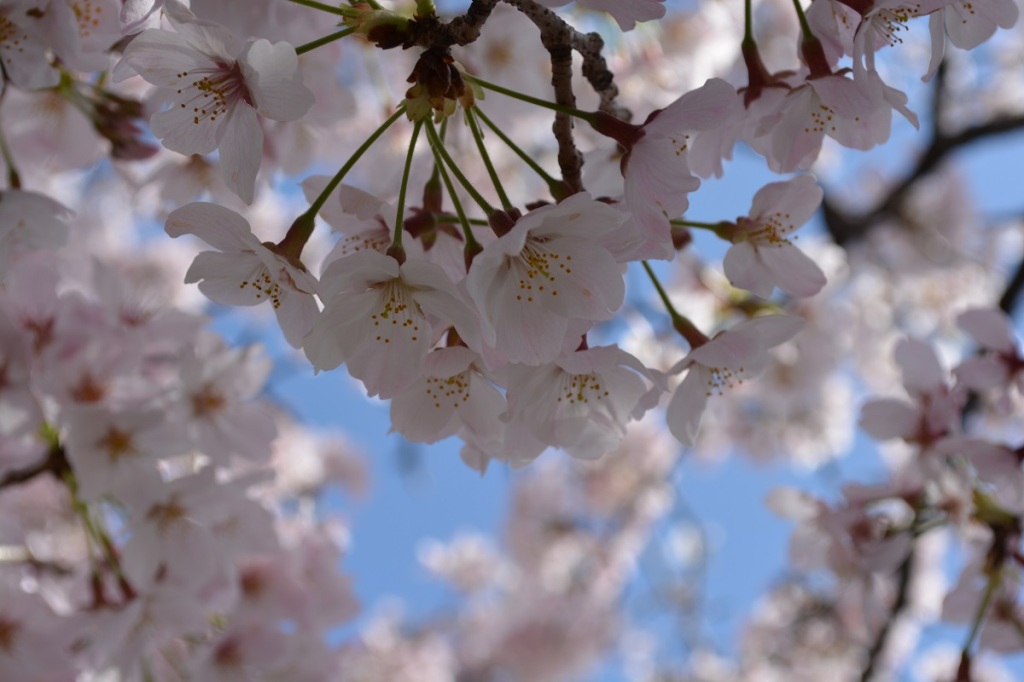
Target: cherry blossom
{"x": 549, "y": 269}
{"x": 31, "y": 220}
{"x": 657, "y": 178}
{"x": 723, "y": 362}
{"x": 967, "y": 24}
{"x": 375, "y": 319}
{"x": 451, "y": 394}
{"x": 166, "y": 510}
{"x": 216, "y": 88}
{"x": 246, "y": 272}
{"x": 582, "y": 401}
{"x": 1000, "y": 363}
{"x": 935, "y": 412}
{"x": 23, "y": 45}
{"x": 762, "y": 256}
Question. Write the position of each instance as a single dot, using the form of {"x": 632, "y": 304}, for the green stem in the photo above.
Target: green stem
{"x": 321, "y": 6}
{"x": 425, "y": 8}
{"x": 748, "y": 21}
{"x": 313, "y": 44}
{"x": 302, "y": 228}
{"x": 672, "y": 312}
{"x": 459, "y": 211}
{"x": 479, "y": 138}
{"x": 446, "y": 218}
{"x": 527, "y": 159}
{"x": 438, "y": 147}
{"x": 804, "y": 25}
{"x": 680, "y": 322}
{"x": 678, "y": 222}
{"x": 979, "y": 615}
{"x": 589, "y": 117}
{"x": 397, "y": 239}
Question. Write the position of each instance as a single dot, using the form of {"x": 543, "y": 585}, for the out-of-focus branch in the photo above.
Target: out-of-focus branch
{"x": 1011, "y": 294}
{"x": 54, "y": 462}
{"x": 846, "y": 228}
{"x": 903, "y": 584}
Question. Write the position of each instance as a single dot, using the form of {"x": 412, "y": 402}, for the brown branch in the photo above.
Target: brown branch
{"x": 556, "y": 36}
{"x": 597, "y": 73}
{"x": 55, "y": 463}
{"x": 429, "y": 31}
{"x": 846, "y": 228}
{"x": 1008, "y": 301}
{"x": 899, "y": 605}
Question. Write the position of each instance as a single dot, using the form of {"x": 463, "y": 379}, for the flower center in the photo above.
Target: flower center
{"x": 539, "y": 269}
{"x": 721, "y": 378}
{"x": 580, "y": 389}
{"x": 453, "y": 390}
{"x": 397, "y": 314}
{"x": 210, "y": 92}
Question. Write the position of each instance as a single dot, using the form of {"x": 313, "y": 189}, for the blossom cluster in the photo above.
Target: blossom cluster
{"x": 150, "y": 537}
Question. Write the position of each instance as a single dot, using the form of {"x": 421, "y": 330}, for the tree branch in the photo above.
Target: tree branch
{"x": 846, "y": 228}
{"x": 556, "y": 36}
{"x": 55, "y": 462}
{"x": 899, "y": 605}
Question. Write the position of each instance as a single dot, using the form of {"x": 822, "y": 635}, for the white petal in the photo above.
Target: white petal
{"x": 888, "y": 418}
{"x": 792, "y": 270}
{"x": 922, "y": 371}
{"x": 278, "y": 88}
{"x": 219, "y": 227}
{"x": 241, "y": 149}
{"x": 746, "y": 271}
{"x": 990, "y": 327}
{"x": 686, "y": 408}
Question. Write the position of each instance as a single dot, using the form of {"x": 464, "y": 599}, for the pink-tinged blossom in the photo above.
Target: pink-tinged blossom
{"x": 657, "y": 176}
{"x": 216, "y": 88}
{"x": 936, "y": 407}
{"x": 762, "y": 257}
{"x": 626, "y": 12}
{"x": 549, "y": 269}
{"x": 582, "y": 401}
{"x": 380, "y": 319}
{"x": 136, "y": 13}
{"x": 20, "y": 411}
{"x": 30, "y": 221}
{"x": 1000, "y": 364}
{"x": 726, "y": 360}
{"x": 357, "y": 215}
{"x": 856, "y": 114}
{"x": 967, "y": 23}
{"x": 82, "y": 32}
{"x": 221, "y": 415}
{"x": 23, "y": 45}
{"x": 114, "y": 452}
{"x": 451, "y": 394}
{"x": 246, "y": 272}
